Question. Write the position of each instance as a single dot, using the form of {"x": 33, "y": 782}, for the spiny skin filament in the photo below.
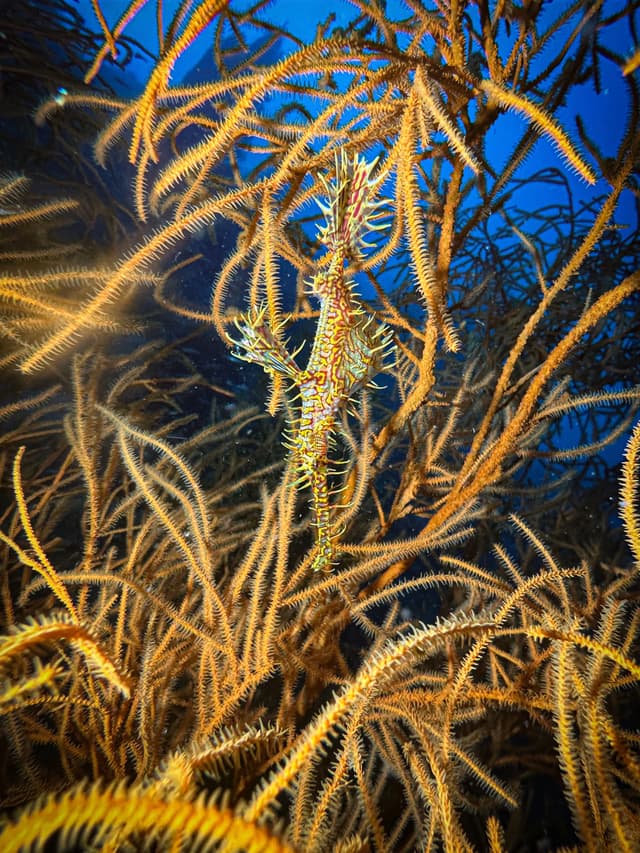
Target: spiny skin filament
{"x": 349, "y": 349}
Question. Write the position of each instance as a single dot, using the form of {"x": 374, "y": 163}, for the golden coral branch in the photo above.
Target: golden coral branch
{"x": 93, "y": 812}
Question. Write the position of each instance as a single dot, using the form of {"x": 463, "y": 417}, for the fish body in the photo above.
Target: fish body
{"x": 349, "y": 348}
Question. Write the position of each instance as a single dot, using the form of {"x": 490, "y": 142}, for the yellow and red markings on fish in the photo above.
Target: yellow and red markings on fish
{"x": 349, "y": 346}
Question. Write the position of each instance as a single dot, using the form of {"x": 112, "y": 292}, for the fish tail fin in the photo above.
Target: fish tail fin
{"x": 352, "y": 210}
